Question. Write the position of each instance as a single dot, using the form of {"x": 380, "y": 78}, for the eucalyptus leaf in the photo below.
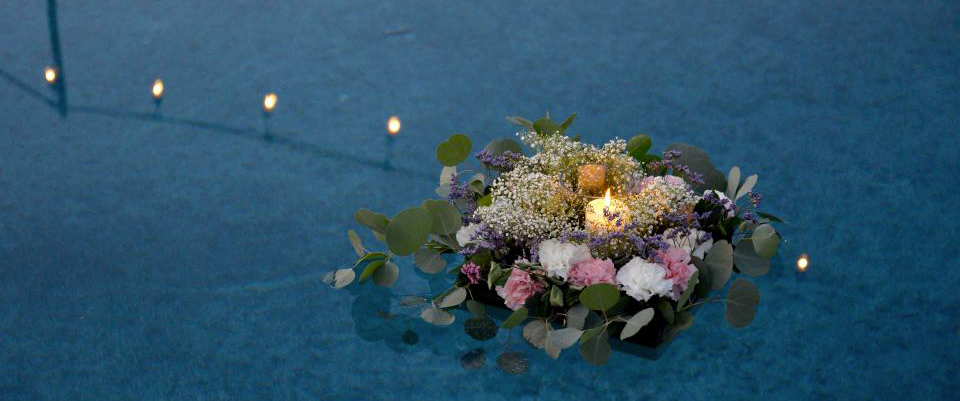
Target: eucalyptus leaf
{"x": 566, "y": 123}
{"x": 741, "y": 304}
{"x": 386, "y": 275}
{"x": 343, "y": 277}
{"x": 453, "y": 298}
{"x": 443, "y": 190}
{"x": 691, "y": 285}
{"x": 771, "y": 217}
{"x": 697, "y": 160}
{"x": 576, "y": 316}
{"x": 497, "y": 146}
{"x": 666, "y": 310}
{"x": 748, "y": 261}
{"x": 408, "y": 230}
{"x": 765, "y": 241}
{"x": 564, "y": 338}
{"x": 733, "y": 180}
{"x": 450, "y": 241}
{"x": 535, "y": 333}
{"x": 638, "y": 146}
{"x": 355, "y": 243}
{"x": 437, "y": 316}
{"x": 746, "y": 187}
{"x": 485, "y": 200}
{"x": 636, "y": 322}
{"x": 370, "y": 256}
{"x": 447, "y": 174}
{"x": 720, "y": 263}
{"x": 551, "y": 349}
{"x": 547, "y": 127}
{"x": 556, "y": 296}
{"x": 429, "y": 261}
{"x": 446, "y": 218}
{"x": 372, "y": 220}
{"x": 600, "y": 297}
{"x": 515, "y": 318}
{"x": 596, "y": 351}
{"x": 476, "y": 309}
{"x": 370, "y": 269}
{"x": 454, "y": 150}
{"x": 521, "y": 122}
{"x": 412, "y": 300}
{"x": 493, "y": 275}
{"x": 591, "y": 333}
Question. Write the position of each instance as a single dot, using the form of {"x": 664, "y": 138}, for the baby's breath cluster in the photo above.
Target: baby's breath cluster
{"x": 528, "y": 204}
{"x": 559, "y": 155}
{"x": 651, "y": 199}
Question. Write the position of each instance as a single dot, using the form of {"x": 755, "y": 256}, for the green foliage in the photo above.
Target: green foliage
{"x": 699, "y": 162}
{"x": 408, "y": 230}
{"x": 691, "y": 285}
{"x": 343, "y": 277}
{"x": 600, "y": 297}
{"x": 372, "y": 220}
{"x": 429, "y": 260}
{"x": 355, "y": 243}
{"x": 494, "y": 275}
{"x": 370, "y": 269}
{"x": 523, "y": 122}
{"x": 577, "y": 316}
{"x": 636, "y": 322}
{"x": 638, "y": 146}
{"x": 515, "y": 318}
{"x": 556, "y": 296}
{"x": 720, "y": 263}
{"x": 454, "y": 150}
{"x": 747, "y": 260}
{"x": 765, "y": 241}
{"x": 535, "y": 333}
{"x": 437, "y": 316}
{"x": 386, "y": 275}
{"x": 445, "y": 217}
{"x": 476, "y": 309}
{"x": 741, "y": 304}
{"x": 453, "y": 298}
{"x": 596, "y": 351}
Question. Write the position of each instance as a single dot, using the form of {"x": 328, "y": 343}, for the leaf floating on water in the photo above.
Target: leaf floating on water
{"x": 480, "y": 328}
{"x": 742, "y": 300}
{"x": 412, "y": 300}
{"x": 535, "y": 333}
{"x": 576, "y": 316}
{"x": 513, "y": 363}
{"x": 474, "y": 360}
{"x": 410, "y": 337}
{"x": 342, "y": 277}
{"x": 436, "y": 316}
{"x": 386, "y": 275}
{"x": 596, "y": 350}
{"x": 454, "y": 298}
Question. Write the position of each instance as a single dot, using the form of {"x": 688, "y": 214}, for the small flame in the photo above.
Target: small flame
{"x": 269, "y": 102}
{"x": 606, "y": 198}
{"x": 50, "y": 74}
{"x": 393, "y": 125}
{"x": 158, "y": 88}
{"x": 802, "y": 263}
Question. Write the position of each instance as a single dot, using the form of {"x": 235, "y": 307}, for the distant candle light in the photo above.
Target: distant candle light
{"x": 158, "y": 89}
{"x": 269, "y": 102}
{"x": 50, "y": 74}
{"x": 802, "y": 263}
{"x": 393, "y": 125}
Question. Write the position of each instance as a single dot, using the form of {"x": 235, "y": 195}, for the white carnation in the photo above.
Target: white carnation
{"x": 641, "y": 279}
{"x": 557, "y": 257}
{"x": 694, "y": 243}
{"x": 466, "y": 234}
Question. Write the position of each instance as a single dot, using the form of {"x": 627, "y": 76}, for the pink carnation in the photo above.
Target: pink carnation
{"x": 518, "y": 288}
{"x": 592, "y": 271}
{"x": 676, "y": 262}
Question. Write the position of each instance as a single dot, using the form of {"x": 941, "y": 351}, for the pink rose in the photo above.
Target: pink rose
{"x": 518, "y": 288}
{"x": 592, "y": 271}
{"x": 676, "y": 262}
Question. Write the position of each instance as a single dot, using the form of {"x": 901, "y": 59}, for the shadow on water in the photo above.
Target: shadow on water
{"x": 266, "y": 135}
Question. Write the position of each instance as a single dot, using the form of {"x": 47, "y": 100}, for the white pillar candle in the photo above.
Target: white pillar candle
{"x": 595, "y": 221}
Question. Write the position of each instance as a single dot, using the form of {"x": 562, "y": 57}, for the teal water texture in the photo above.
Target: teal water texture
{"x": 177, "y": 253}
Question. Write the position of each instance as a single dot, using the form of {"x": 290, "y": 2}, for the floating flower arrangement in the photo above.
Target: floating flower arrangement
{"x": 578, "y": 244}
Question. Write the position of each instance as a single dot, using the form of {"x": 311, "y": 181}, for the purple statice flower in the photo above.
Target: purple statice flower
{"x": 504, "y": 161}
{"x": 755, "y": 198}
{"x": 575, "y": 236}
{"x": 472, "y": 271}
{"x": 678, "y": 169}
{"x": 751, "y": 218}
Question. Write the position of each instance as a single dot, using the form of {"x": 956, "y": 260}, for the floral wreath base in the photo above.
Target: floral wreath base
{"x": 581, "y": 245}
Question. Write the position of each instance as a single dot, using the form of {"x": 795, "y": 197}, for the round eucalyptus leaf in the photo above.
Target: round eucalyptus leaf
{"x": 765, "y": 241}
{"x": 446, "y": 218}
{"x": 636, "y": 322}
{"x": 746, "y": 187}
{"x": 748, "y": 261}
{"x": 429, "y": 261}
{"x": 454, "y": 150}
{"x": 666, "y": 310}
{"x": 741, "y": 304}
{"x": 454, "y": 298}
{"x": 436, "y": 316}
{"x": 480, "y": 328}
{"x": 691, "y": 285}
{"x": 386, "y": 275}
{"x": 443, "y": 190}
{"x": 600, "y": 297}
{"x": 564, "y": 338}
{"x": 498, "y": 146}
{"x": 513, "y": 363}
{"x": 720, "y": 263}
{"x": 476, "y": 309}
{"x": 372, "y": 220}
{"x": 596, "y": 351}
{"x": 355, "y": 243}
{"x": 638, "y": 146}
{"x": 447, "y": 174}
{"x": 408, "y": 230}
{"x": 474, "y": 360}
{"x": 371, "y": 268}
{"x": 535, "y": 333}
{"x": 343, "y": 277}
{"x": 576, "y": 316}
{"x": 699, "y": 162}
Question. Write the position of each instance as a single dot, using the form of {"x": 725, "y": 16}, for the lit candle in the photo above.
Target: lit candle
{"x": 269, "y": 102}
{"x": 157, "y": 89}
{"x": 591, "y": 178}
{"x": 803, "y": 263}
{"x": 596, "y": 221}
{"x": 50, "y": 74}
{"x": 393, "y": 126}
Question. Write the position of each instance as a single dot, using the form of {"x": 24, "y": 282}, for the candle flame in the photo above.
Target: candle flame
{"x": 158, "y": 88}
{"x": 50, "y": 74}
{"x": 606, "y": 198}
{"x": 802, "y": 263}
{"x": 393, "y": 125}
{"x": 269, "y": 102}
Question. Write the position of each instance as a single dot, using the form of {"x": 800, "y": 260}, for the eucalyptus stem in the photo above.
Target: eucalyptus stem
{"x": 688, "y": 306}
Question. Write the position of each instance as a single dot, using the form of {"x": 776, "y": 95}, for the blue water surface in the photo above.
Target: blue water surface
{"x": 179, "y": 255}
